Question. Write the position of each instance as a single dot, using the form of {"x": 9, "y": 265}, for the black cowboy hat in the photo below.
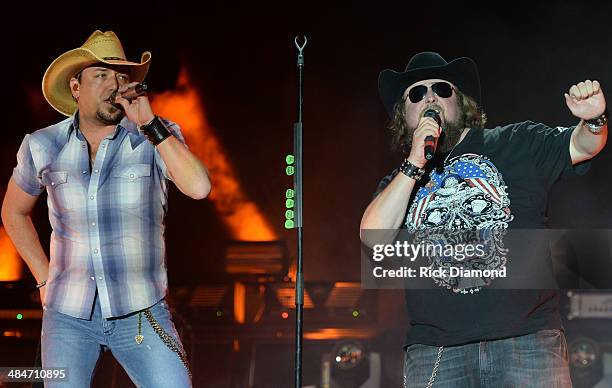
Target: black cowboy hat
{"x": 461, "y": 72}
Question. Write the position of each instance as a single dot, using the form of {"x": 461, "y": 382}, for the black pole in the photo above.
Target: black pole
{"x": 297, "y": 181}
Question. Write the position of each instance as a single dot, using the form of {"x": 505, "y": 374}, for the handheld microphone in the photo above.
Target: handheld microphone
{"x": 430, "y": 141}
{"x": 131, "y": 93}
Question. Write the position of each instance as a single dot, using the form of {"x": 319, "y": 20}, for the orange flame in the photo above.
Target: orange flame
{"x": 242, "y": 216}
{"x": 10, "y": 262}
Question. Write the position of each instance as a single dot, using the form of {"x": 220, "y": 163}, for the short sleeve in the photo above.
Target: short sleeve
{"x": 550, "y": 148}
{"x": 25, "y": 174}
{"x": 176, "y": 132}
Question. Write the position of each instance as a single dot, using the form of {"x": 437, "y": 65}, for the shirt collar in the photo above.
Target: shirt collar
{"x": 123, "y": 124}
{"x": 74, "y": 127}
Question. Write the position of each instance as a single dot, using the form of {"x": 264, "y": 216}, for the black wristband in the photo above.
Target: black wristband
{"x": 155, "y": 131}
{"x": 411, "y": 171}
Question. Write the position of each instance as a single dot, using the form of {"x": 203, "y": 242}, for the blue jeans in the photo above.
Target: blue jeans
{"x": 538, "y": 360}
{"x": 77, "y": 344}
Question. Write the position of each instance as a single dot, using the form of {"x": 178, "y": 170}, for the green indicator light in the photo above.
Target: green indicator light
{"x": 19, "y": 316}
{"x": 355, "y": 313}
{"x": 289, "y": 204}
{"x": 290, "y": 159}
{"x": 289, "y": 170}
{"x": 289, "y": 214}
{"x": 219, "y": 313}
{"x": 290, "y": 193}
{"x": 289, "y": 224}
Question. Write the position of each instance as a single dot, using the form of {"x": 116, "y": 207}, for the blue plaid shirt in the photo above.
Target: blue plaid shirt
{"x": 107, "y": 220}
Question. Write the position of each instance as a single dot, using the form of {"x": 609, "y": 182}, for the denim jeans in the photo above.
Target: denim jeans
{"x": 537, "y": 360}
{"x": 77, "y": 344}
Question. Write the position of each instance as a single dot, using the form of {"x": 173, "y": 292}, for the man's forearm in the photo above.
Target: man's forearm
{"x": 586, "y": 144}
{"x": 387, "y": 210}
{"x": 25, "y": 239}
{"x": 187, "y": 172}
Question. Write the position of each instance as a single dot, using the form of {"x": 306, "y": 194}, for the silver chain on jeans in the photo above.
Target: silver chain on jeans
{"x": 167, "y": 339}
{"x": 434, "y": 372}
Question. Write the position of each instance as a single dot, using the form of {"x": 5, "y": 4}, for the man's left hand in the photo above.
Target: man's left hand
{"x": 586, "y": 100}
{"x": 137, "y": 110}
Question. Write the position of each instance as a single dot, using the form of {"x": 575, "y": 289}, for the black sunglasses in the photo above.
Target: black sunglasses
{"x": 441, "y": 89}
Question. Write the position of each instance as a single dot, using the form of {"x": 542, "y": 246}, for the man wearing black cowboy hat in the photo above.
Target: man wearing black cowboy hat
{"x": 478, "y": 179}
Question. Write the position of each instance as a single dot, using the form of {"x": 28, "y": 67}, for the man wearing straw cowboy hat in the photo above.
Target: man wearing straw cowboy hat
{"x": 105, "y": 169}
{"x": 478, "y": 179}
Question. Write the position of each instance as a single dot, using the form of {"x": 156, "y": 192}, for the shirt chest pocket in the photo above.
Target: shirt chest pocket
{"x": 61, "y": 195}
{"x": 131, "y": 183}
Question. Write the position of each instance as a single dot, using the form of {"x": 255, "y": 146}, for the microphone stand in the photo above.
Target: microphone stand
{"x": 297, "y": 181}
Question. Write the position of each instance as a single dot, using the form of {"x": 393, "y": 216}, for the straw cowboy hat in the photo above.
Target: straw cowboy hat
{"x": 462, "y": 72}
{"x": 100, "y": 47}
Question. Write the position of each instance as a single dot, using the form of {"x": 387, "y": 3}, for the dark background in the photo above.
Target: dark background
{"x": 242, "y": 60}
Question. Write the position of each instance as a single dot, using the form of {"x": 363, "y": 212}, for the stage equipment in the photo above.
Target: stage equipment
{"x": 257, "y": 258}
{"x": 297, "y": 181}
{"x": 589, "y": 304}
{"x": 350, "y": 365}
{"x": 588, "y": 316}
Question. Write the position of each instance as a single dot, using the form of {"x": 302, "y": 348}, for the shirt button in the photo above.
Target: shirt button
{"x": 93, "y": 224}
{"x": 82, "y": 145}
{"x": 91, "y": 197}
{"x": 52, "y": 183}
{"x": 104, "y": 145}
{"x": 84, "y": 171}
{"x": 99, "y": 277}
{"x": 92, "y": 278}
{"x": 95, "y": 251}
{"x": 96, "y": 171}
{"x": 132, "y": 176}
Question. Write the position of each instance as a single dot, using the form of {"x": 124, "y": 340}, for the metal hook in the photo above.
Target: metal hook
{"x": 297, "y": 45}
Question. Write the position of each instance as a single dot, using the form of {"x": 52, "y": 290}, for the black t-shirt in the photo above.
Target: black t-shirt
{"x": 502, "y": 176}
